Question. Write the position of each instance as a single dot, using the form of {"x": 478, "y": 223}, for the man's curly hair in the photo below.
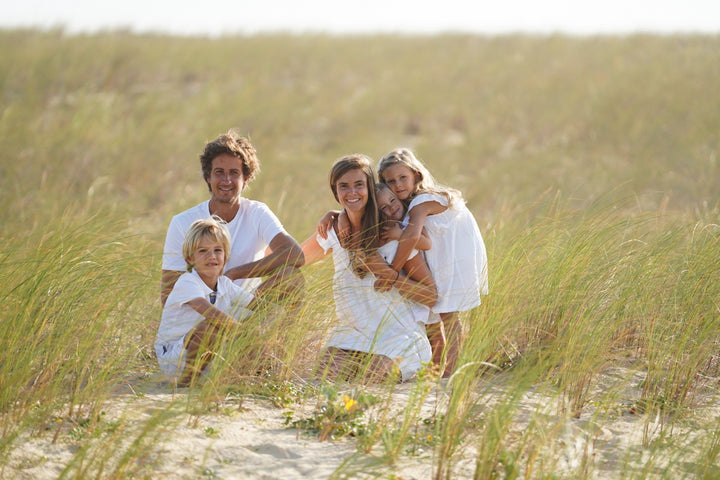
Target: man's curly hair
{"x": 233, "y": 144}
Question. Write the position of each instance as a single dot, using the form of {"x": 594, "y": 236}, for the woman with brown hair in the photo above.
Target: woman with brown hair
{"x": 378, "y": 332}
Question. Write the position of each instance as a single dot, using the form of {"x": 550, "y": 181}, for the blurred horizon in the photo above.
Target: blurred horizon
{"x": 224, "y": 17}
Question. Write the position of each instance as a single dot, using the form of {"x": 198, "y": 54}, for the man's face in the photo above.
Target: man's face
{"x": 226, "y": 178}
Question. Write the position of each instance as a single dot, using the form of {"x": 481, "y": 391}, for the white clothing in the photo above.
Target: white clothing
{"x": 375, "y": 322}
{"x": 457, "y": 258}
{"x": 179, "y": 318}
{"x": 420, "y": 312}
{"x": 388, "y": 250}
{"x": 251, "y": 231}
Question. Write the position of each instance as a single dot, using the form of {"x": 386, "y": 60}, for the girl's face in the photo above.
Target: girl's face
{"x": 401, "y": 180}
{"x": 352, "y": 190}
{"x": 208, "y": 260}
{"x": 389, "y": 205}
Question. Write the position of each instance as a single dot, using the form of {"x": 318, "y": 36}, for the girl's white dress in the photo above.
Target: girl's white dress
{"x": 375, "y": 322}
{"x": 457, "y": 258}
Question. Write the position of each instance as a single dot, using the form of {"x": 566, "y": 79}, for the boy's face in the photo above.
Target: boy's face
{"x": 390, "y": 206}
{"x": 208, "y": 260}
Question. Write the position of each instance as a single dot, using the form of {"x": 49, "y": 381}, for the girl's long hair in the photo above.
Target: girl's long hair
{"x": 365, "y": 242}
{"x": 425, "y": 182}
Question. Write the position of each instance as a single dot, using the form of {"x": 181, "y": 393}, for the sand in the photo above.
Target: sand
{"x": 248, "y": 438}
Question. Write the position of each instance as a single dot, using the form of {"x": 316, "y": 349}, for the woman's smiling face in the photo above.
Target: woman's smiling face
{"x": 352, "y": 191}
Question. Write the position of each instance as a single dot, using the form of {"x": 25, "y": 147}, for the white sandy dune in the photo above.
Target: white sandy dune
{"x": 249, "y": 439}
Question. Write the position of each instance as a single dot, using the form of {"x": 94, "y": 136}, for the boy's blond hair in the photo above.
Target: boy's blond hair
{"x": 213, "y": 228}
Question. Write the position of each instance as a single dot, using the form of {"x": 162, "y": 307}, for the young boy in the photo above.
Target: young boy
{"x": 202, "y": 305}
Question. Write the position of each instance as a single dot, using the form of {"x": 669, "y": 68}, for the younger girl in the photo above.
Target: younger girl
{"x": 393, "y": 212}
{"x": 202, "y": 304}
{"x": 457, "y": 259}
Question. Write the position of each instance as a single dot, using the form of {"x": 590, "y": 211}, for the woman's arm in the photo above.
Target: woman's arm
{"x": 312, "y": 250}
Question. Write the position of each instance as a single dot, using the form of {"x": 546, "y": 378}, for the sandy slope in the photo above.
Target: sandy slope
{"x": 250, "y": 440}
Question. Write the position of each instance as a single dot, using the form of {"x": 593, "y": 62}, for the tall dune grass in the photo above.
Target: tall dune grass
{"x": 72, "y": 306}
{"x": 590, "y": 164}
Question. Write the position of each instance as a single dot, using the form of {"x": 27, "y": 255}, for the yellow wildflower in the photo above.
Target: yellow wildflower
{"x": 351, "y": 404}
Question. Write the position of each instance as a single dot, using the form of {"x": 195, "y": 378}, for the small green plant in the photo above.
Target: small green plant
{"x": 281, "y": 393}
{"x": 80, "y": 430}
{"x": 336, "y": 415}
{"x": 209, "y": 473}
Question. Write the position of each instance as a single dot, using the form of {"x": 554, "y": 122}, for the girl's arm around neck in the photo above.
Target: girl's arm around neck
{"x": 418, "y": 285}
{"x": 424, "y": 243}
{"x": 410, "y": 236}
{"x": 407, "y": 242}
{"x": 393, "y": 231}
{"x": 326, "y": 222}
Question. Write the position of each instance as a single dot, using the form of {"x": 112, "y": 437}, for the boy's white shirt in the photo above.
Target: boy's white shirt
{"x": 178, "y": 318}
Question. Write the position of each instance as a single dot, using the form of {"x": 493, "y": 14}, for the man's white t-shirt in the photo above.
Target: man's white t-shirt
{"x": 251, "y": 232}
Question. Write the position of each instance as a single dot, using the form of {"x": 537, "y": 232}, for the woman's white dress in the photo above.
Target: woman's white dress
{"x": 457, "y": 258}
{"x": 375, "y": 322}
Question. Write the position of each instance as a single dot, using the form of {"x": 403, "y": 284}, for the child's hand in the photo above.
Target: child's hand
{"x": 343, "y": 228}
{"x": 326, "y": 222}
{"x": 390, "y": 231}
{"x": 386, "y": 279}
{"x": 383, "y": 285}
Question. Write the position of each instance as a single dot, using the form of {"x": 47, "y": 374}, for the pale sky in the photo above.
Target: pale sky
{"x": 215, "y": 17}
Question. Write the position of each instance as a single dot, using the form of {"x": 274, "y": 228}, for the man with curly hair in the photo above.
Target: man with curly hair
{"x": 260, "y": 246}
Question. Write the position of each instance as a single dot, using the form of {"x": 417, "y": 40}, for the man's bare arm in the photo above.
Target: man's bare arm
{"x": 167, "y": 282}
{"x": 285, "y": 251}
